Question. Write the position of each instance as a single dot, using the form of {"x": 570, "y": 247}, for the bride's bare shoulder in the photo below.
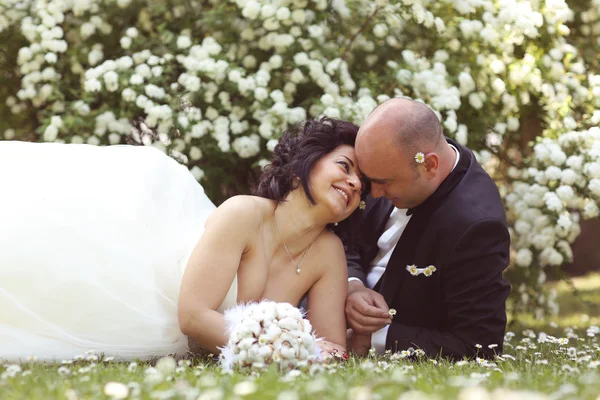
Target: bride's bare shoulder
{"x": 249, "y": 207}
{"x": 330, "y": 251}
{"x": 329, "y": 243}
{"x": 329, "y": 246}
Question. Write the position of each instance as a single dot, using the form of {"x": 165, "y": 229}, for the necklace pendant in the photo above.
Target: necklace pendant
{"x": 298, "y": 270}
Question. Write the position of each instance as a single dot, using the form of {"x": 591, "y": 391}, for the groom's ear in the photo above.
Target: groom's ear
{"x": 431, "y": 164}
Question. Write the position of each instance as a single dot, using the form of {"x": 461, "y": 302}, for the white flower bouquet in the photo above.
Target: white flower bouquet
{"x": 267, "y": 333}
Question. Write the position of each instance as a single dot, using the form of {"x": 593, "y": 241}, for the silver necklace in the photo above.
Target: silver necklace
{"x": 286, "y": 248}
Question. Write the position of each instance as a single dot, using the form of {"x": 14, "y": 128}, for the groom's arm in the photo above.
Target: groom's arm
{"x": 475, "y": 295}
{"x": 354, "y": 257}
{"x": 355, "y": 269}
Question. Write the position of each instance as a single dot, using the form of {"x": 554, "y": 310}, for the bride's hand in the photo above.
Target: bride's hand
{"x": 332, "y": 350}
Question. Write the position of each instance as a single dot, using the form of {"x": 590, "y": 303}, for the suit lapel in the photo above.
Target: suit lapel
{"x": 404, "y": 252}
{"x": 376, "y": 214}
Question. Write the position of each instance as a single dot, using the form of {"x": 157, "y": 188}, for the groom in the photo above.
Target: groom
{"x": 434, "y": 242}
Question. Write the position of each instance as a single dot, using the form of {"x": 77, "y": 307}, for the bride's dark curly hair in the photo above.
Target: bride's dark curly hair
{"x": 297, "y": 152}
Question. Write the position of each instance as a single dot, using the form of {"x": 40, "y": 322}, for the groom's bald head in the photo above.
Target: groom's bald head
{"x": 408, "y": 124}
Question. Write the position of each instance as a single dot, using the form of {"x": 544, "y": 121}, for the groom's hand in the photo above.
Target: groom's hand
{"x": 366, "y": 310}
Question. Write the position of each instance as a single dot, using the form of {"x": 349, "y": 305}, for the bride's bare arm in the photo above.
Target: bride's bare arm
{"x": 211, "y": 270}
{"x": 327, "y": 297}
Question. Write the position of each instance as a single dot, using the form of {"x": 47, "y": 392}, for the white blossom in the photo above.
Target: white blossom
{"x": 197, "y": 172}
{"x": 550, "y": 256}
{"x": 114, "y": 138}
{"x": 461, "y": 134}
{"x": 129, "y": 94}
{"x": 590, "y": 210}
{"x": 512, "y": 124}
{"x": 553, "y": 173}
{"x": 92, "y": 85}
{"x": 524, "y": 257}
{"x": 246, "y": 146}
{"x": 154, "y": 91}
{"x": 125, "y": 42}
{"x": 183, "y": 42}
{"x": 111, "y": 81}
{"x": 95, "y": 56}
{"x": 50, "y": 133}
{"x": 566, "y": 193}
{"x": 592, "y": 170}
{"x": 594, "y": 187}
{"x": 116, "y": 390}
{"x": 467, "y": 85}
{"x": 553, "y": 202}
{"x": 136, "y": 79}
{"x": 475, "y": 101}
{"x": 195, "y": 153}
{"x": 132, "y": 32}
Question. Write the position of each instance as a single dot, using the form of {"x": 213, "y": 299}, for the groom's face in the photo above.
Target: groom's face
{"x": 392, "y": 173}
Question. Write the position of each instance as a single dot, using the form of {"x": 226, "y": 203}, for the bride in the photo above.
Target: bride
{"x": 118, "y": 250}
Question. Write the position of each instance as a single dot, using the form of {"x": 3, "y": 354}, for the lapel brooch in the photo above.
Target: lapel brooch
{"x": 427, "y": 271}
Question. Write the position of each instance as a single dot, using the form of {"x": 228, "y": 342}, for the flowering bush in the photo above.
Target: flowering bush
{"x": 561, "y": 183}
{"x": 215, "y": 83}
{"x": 267, "y": 333}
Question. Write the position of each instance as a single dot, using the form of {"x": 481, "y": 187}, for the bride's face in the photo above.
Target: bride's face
{"x": 335, "y": 182}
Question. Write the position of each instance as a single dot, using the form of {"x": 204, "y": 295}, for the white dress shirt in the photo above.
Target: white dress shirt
{"x": 387, "y": 242}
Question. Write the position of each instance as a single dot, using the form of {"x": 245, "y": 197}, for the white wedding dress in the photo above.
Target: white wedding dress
{"x": 93, "y": 245}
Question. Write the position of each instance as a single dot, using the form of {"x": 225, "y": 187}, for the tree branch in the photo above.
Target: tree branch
{"x": 361, "y": 30}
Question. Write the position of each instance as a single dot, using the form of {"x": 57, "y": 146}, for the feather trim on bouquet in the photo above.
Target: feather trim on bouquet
{"x": 267, "y": 333}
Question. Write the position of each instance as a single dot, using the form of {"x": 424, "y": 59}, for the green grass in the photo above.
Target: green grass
{"x": 582, "y": 306}
{"x": 529, "y": 369}
{"x": 579, "y": 305}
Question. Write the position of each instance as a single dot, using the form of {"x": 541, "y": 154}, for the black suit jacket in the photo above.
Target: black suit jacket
{"x": 461, "y": 230}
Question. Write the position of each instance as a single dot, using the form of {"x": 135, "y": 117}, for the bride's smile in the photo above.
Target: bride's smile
{"x": 343, "y": 193}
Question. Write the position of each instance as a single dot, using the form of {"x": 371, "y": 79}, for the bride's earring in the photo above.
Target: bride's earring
{"x": 295, "y": 181}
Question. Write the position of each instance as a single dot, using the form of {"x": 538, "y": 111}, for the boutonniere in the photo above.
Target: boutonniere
{"x": 427, "y": 271}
